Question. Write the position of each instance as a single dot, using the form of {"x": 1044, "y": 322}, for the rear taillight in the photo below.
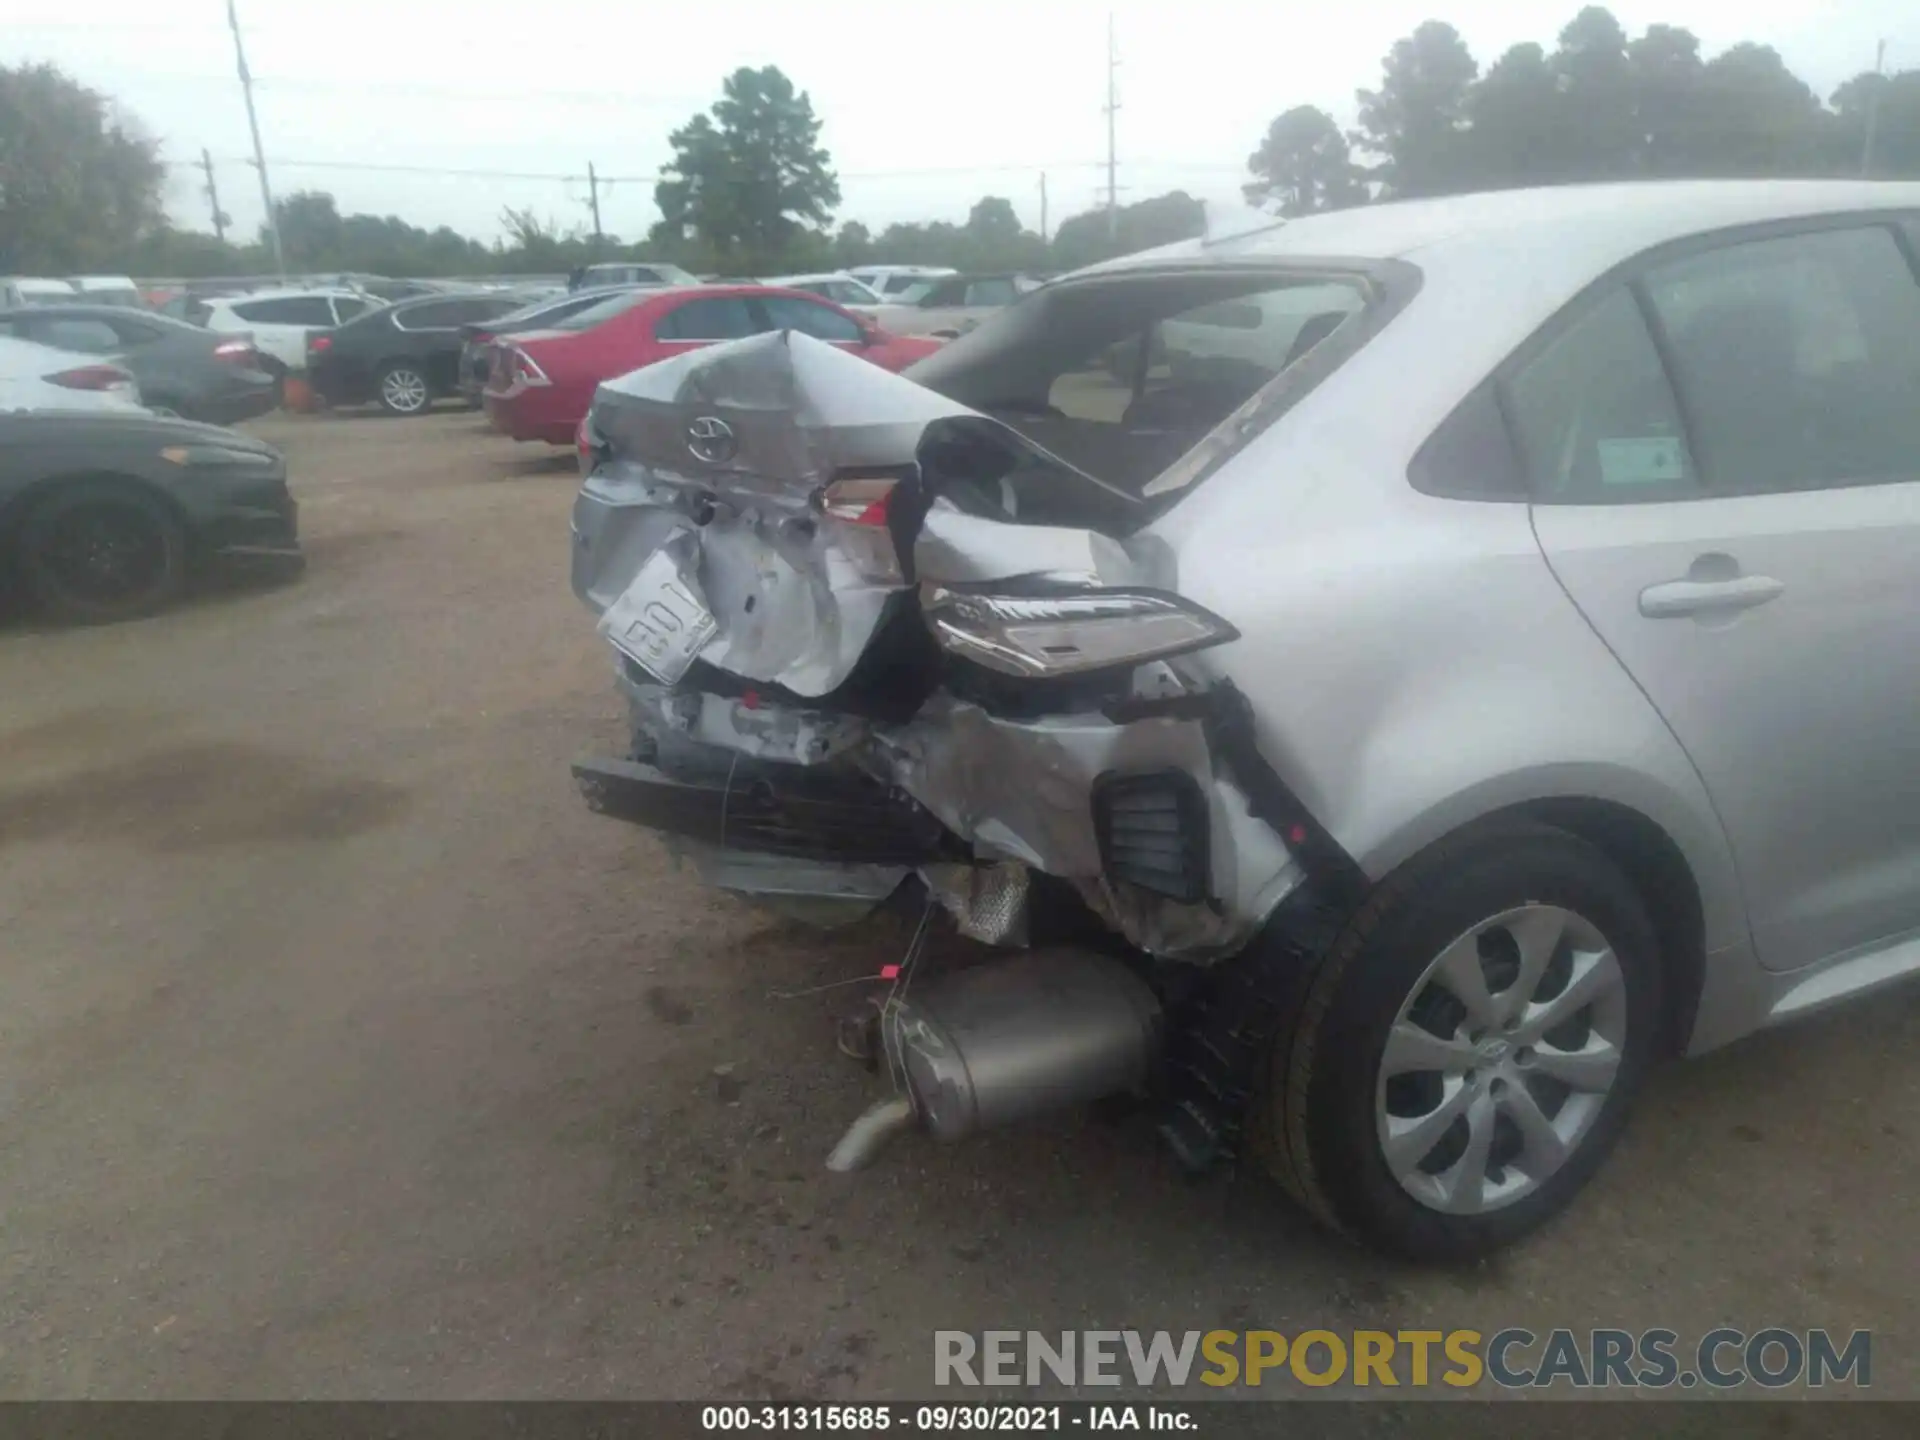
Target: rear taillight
{"x": 92, "y": 377}
{"x": 233, "y": 351}
{"x": 859, "y": 502}
{"x": 523, "y": 368}
{"x": 319, "y": 344}
{"x": 857, "y": 511}
{"x": 1076, "y": 632}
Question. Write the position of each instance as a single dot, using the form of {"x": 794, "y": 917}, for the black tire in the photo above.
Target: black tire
{"x": 1312, "y": 1120}
{"x": 399, "y": 375}
{"x": 101, "y": 550}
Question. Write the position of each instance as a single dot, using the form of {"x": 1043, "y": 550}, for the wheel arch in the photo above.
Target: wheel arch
{"x": 1665, "y": 873}
{"x": 18, "y": 506}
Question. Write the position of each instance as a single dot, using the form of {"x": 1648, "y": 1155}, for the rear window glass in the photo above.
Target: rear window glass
{"x": 1124, "y": 376}
{"x": 600, "y": 310}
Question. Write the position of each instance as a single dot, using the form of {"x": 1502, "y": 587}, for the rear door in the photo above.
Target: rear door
{"x": 433, "y": 333}
{"x": 1725, "y": 456}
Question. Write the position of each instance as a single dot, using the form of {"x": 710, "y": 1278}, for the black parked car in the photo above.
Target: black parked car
{"x": 182, "y": 369}
{"x": 404, "y": 356}
{"x": 476, "y": 357}
{"x": 105, "y": 516}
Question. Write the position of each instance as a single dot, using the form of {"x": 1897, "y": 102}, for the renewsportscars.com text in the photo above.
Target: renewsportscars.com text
{"x": 1513, "y": 1358}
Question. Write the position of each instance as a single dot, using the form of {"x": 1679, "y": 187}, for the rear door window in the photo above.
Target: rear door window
{"x": 991, "y": 292}
{"x": 88, "y": 337}
{"x": 287, "y": 310}
{"x": 1798, "y": 358}
{"x": 715, "y": 318}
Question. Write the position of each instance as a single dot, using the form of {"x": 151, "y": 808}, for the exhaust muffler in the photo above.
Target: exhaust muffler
{"x": 1001, "y": 1042}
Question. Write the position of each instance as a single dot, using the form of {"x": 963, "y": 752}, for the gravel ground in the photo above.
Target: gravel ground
{"x": 344, "y": 1054}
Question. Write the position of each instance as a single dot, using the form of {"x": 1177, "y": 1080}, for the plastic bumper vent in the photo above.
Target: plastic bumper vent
{"x": 1153, "y": 832}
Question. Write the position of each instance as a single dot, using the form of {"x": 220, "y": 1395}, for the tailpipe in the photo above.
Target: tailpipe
{"x": 1001, "y": 1042}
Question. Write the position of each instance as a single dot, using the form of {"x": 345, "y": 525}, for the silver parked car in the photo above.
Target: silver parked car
{"x": 1380, "y": 733}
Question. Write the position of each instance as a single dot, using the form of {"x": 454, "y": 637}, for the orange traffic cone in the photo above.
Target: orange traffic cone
{"x": 297, "y": 395}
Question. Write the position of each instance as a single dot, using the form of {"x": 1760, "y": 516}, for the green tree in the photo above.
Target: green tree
{"x": 1593, "y": 121}
{"x": 1417, "y": 120}
{"x": 1759, "y": 118}
{"x": 80, "y": 183}
{"x": 1082, "y": 239}
{"x": 1896, "y": 128}
{"x": 1304, "y": 163}
{"x": 747, "y": 180}
{"x": 1515, "y": 114}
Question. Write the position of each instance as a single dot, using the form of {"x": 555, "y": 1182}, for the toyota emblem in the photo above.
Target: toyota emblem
{"x": 711, "y": 439}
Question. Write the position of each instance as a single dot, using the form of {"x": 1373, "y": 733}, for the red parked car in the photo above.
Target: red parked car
{"x": 541, "y": 382}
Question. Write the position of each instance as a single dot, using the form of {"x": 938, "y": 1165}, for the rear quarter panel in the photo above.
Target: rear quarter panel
{"x": 1412, "y": 662}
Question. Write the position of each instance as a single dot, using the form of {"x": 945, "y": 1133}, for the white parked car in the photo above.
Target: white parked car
{"x": 18, "y": 290}
{"x": 108, "y": 290}
{"x": 281, "y": 320}
{"x": 835, "y": 285}
{"x": 38, "y": 377}
{"x": 890, "y": 282}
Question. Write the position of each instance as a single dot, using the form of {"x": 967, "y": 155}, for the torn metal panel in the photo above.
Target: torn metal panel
{"x": 764, "y": 731}
{"x": 1021, "y": 790}
{"x": 723, "y": 451}
{"x": 818, "y": 892}
{"x": 956, "y": 548}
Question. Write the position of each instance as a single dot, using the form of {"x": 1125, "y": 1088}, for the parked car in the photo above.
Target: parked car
{"x": 836, "y": 286}
{"x": 891, "y": 282}
{"x": 182, "y": 369}
{"x": 280, "y": 321}
{"x": 39, "y": 377}
{"x": 108, "y": 290}
{"x": 402, "y": 356}
{"x": 477, "y": 337}
{"x": 18, "y": 290}
{"x": 110, "y": 516}
{"x": 956, "y": 304}
{"x": 543, "y": 380}
{"x": 599, "y": 277}
{"x": 1445, "y": 720}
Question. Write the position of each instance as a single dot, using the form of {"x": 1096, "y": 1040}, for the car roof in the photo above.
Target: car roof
{"x": 81, "y": 310}
{"x": 808, "y": 278}
{"x": 1570, "y": 229}
{"x": 328, "y": 292}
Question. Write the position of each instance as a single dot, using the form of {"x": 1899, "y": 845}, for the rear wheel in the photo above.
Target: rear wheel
{"x": 101, "y": 550}
{"x": 403, "y": 389}
{"x": 1467, "y": 1052}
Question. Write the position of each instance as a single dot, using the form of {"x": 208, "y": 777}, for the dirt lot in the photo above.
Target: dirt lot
{"x": 343, "y": 1053}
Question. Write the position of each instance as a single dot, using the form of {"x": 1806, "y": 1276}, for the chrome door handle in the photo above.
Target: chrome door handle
{"x": 1675, "y": 598}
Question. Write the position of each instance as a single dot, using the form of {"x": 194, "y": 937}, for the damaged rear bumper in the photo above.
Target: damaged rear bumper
{"x": 843, "y": 819}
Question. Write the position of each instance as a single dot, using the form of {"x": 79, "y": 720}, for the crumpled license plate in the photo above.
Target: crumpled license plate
{"x": 659, "y": 620}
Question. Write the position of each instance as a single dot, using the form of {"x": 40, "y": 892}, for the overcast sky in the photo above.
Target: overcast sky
{"x": 926, "y": 105}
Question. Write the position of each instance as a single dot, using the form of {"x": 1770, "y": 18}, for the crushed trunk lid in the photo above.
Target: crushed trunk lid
{"x": 764, "y": 508}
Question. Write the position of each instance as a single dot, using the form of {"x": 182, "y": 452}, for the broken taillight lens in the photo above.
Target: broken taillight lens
{"x": 858, "y": 511}
{"x": 524, "y": 369}
{"x": 1043, "y": 636}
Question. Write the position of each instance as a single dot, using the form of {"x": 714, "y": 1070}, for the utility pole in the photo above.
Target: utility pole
{"x": 593, "y": 200}
{"x": 1873, "y": 109}
{"x": 1113, "y": 104}
{"x": 1043, "y": 207}
{"x": 213, "y": 198}
{"x": 259, "y": 155}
